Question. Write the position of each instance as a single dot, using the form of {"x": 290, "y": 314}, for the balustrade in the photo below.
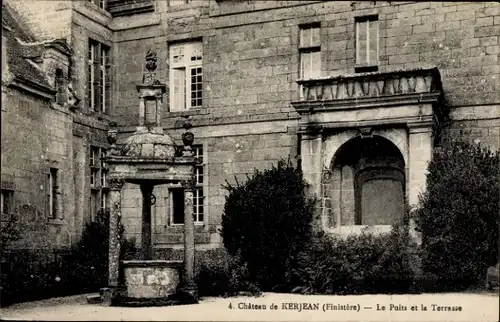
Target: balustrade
{"x": 370, "y": 85}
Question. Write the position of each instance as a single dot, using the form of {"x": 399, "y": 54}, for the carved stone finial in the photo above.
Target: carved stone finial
{"x": 72, "y": 98}
{"x": 187, "y": 138}
{"x": 112, "y": 137}
{"x": 149, "y": 77}
{"x": 116, "y": 184}
{"x": 190, "y": 184}
{"x": 151, "y": 61}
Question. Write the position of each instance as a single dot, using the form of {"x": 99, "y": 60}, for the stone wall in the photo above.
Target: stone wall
{"x": 89, "y": 127}
{"x": 47, "y": 19}
{"x": 250, "y": 65}
{"x": 36, "y": 136}
{"x": 250, "y": 68}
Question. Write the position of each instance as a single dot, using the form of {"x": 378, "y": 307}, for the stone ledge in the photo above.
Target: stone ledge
{"x": 151, "y": 263}
{"x": 172, "y": 238}
{"x": 130, "y": 7}
{"x": 57, "y": 222}
{"x": 365, "y": 102}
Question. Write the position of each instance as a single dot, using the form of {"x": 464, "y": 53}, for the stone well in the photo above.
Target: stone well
{"x": 151, "y": 278}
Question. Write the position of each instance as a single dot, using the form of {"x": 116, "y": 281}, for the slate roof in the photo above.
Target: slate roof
{"x": 21, "y": 49}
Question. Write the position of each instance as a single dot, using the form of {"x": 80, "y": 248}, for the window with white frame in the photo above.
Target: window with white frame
{"x": 102, "y": 4}
{"x": 98, "y": 77}
{"x": 7, "y": 201}
{"x": 174, "y": 3}
{"x": 176, "y": 195}
{"x": 310, "y": 51}
{"x": 367, "y": 41}
{"x": 98, "y": 183}
{"x": 186, "y": 76}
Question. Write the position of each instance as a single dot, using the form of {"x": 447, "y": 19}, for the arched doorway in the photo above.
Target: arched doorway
{"x": 366, "y": 185}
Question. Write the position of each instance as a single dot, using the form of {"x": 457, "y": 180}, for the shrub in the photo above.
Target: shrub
{"x": 221, "y": 274}
{"x": 32, "y": 274}
{"x": 88, "y": 263}
{"x": 458, "y": 217}
{"x": 266, "y": 220}
{"x": 363, "y": 263}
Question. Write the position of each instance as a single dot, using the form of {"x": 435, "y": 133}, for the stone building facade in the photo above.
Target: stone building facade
{"x": 357, "y": 93}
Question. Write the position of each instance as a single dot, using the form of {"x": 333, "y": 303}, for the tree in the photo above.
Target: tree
{"x": 459, "y": 213}
{"x": 267, "y": 220}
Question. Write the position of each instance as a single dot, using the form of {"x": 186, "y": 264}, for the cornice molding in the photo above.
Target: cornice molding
{"x": 33, "y": 88}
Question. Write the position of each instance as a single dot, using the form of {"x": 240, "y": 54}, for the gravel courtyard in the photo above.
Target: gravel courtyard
{"x": 273, "y": 306}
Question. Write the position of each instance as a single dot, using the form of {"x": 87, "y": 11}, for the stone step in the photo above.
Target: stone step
{"x": 94, "y": 299}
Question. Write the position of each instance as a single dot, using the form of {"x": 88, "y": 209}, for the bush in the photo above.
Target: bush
{"x": 88, "y": 263}
{"x": 357, "y": 264}
{"x": 221, "y": 274}
{"x": 32, "y": 274}
{"x": 458, "y": 217}
{"x": 266, "y": 220}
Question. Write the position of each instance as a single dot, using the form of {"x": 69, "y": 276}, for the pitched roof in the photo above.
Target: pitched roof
{"x": 22, "y": 52}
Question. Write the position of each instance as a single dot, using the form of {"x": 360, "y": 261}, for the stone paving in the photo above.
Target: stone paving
{"x": 271, "y": 306}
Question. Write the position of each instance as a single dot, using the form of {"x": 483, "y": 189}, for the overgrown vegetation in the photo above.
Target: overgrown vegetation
{"x": 221, "y": 274}
{"x": 357, "y": 264}
{"x": 89, "y": 259}
{"x": 459, "y": 217}
{"x": 266, "y": 221}
{"x": 42, "y": 273}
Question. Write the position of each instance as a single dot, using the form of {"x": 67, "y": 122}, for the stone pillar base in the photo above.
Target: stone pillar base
{"x": 108, "y": 296}
{"x": 188, "y": 294}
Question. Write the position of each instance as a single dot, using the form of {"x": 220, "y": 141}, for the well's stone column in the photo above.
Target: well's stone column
{"x": 189, "y": 285}
{"x": 114, "y": 200}
{"x": 147, "y": 193}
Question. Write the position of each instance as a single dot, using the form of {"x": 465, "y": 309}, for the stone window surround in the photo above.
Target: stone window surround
{"x": 7, "y": 205}
{"x": 53, "y": 193}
